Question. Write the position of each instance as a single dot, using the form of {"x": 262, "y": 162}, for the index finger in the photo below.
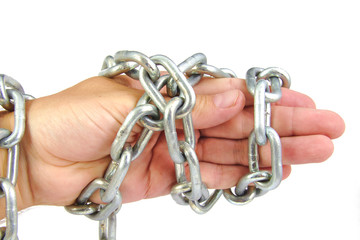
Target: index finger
{"x": 289, "y": 98}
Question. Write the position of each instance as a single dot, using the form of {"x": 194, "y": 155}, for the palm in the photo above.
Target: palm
{"x": 83, "y": 128}
{"x": 69, "y": 138}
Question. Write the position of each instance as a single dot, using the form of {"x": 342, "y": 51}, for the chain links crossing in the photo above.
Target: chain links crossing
{"x": 264, "y": 84}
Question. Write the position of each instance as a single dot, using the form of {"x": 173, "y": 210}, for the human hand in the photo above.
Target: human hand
{"x": 69, "y": 135}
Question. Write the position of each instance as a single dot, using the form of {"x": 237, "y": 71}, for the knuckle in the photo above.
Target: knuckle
{"x": 234, "y": 83}
{"x": 202, "y": 103}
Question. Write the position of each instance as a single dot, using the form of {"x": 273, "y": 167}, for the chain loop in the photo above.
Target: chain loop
{"x": 262, "y": 111}
{"x": 276, "y": 162}
{"x": 19, "y": 118}
{"x": 107, "y": 228}
{"x": 115, "y": 174}
{"x": 127, "y": 126}
{"x": 6, "y": 83}
{"x": 269, "y": 73}
{"x": 185, "y": 66}
{"x": 186, "y": 90}
{"x": 255, "y": 74}
{"x": 254, "y": 177}
{"x": 202, "y": 207}
{"x": 264, "y": 84}
{"x": 12, "y": 166}
{"x": 170, "y": 130}
{"x": 196, "y": 191}
{"x": 11, "y": 210}
{"x": 12, "y": 98}
{"x": 103, "y": 211}
{"x": 147, "y": 64}
{"x": 111, "y": 69}
{"x": 208, "y": 70}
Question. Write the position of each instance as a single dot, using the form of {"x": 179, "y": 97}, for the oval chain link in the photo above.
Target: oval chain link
{"x": 12, "y": 98}
{"x": 265, "y": 85}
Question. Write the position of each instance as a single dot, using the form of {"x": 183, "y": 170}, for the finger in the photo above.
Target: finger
{"x": 295, "y": 150}
{"x": 217, "y": 176}
{"x": 287, "y": 121}
{"x": 128, "y": 81}
{"x": 292, "y": 98}
{"x": 215, "y": 85}
{"x": 212, "y": 110}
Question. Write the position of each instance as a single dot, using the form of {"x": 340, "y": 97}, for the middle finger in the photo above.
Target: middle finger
{"x": 287, "y": 121}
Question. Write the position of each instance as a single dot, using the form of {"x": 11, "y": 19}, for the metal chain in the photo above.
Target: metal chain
{"x": 264, "y": 84}
{"x": 12, "y": 98}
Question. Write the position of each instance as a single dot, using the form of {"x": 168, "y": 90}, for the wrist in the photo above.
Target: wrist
{"x": 22, "y": 188}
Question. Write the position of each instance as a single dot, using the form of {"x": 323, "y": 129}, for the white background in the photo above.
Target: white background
{"x": 49, "y": 46}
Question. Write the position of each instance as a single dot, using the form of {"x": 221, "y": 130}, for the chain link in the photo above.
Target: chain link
{"x": 12, "y": 99}
{"x": 264, "y": 84}
{"x": 10, "y": 232}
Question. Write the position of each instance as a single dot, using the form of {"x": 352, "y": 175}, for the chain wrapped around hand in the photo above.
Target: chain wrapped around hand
{"x": 264, "y": 84}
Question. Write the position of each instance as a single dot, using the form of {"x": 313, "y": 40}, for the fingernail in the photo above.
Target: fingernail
{"x": 226, "y": 99}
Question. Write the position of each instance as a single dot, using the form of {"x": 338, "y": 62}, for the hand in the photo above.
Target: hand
{"x": 69, "y": 135}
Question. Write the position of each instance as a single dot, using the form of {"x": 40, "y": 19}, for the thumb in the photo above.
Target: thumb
{"x": 212, "y": 110}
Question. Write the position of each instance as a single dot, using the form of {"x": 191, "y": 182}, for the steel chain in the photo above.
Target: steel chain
{"x": 12, "y": 98}
{"x": 264, "y": 84}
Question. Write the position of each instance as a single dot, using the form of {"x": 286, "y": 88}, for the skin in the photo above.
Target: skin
{"x": 69, "y": 135}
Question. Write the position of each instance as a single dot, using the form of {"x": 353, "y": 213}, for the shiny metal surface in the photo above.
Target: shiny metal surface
{"x": 10, "y": 209}
{"x": 261, "y": 111}
{"x": 265, "y": 84}
{"x": 170, "y": 129}
{"x": 116, "y": 173}
{"x": 127, "y": 126}
{"x": 12, "y": 98}
{"x": 107, "y": 228}
{"x": 255, "y": 74}
{"x": 104, "y": 211}
{"x": 19, "y": 118}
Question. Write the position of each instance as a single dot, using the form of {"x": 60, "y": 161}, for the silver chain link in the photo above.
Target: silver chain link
{"x": 264, "y": 84}
{"x": 12, "y": 99}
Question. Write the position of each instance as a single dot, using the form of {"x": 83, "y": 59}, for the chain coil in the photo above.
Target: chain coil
{"x": 264, "y": 84}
